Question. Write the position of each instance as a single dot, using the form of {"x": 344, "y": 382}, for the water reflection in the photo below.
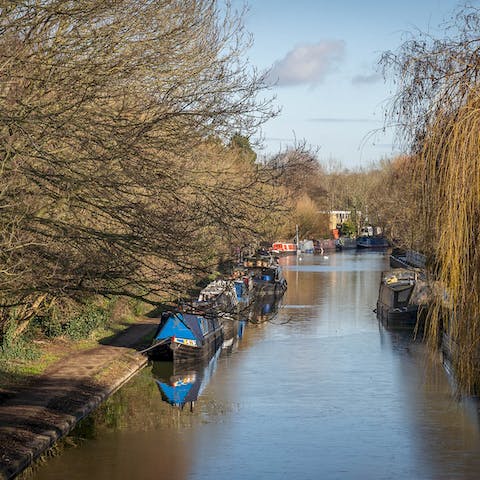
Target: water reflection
{"x": 323, "y": 391}
{"x": 447, "y": 434}
{"x": 233, "y": 329}
{"x": 264, "y": 309}
{"x": 180, "y": 384}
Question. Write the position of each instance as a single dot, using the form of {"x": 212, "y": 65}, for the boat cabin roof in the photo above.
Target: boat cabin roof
{"x": 399, "y": 278}
{"x": 260, "y": 261}
{"x": 178, "y": 324}
{"x": 396, "y": 287}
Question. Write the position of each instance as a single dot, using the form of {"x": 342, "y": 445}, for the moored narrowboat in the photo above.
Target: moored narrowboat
{"x": 306, "y": 246}
{"x": 266, "y": 275}
{"x": 400, "y": 258}
{"x": 243, "y": 289}
{"x": 397, "y": 307}
{"x": 372, "y": 242}
{"x": 269, "y": 281}
{"x": 219, "y": 295}
{"x": 186, "y": 337}
{"x": 284, "y": 248}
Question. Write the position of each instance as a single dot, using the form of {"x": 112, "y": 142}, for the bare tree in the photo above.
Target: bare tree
{"x": 104, "y": 107}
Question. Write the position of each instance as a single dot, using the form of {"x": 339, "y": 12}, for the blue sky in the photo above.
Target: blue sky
{"x": 324, "y": 57}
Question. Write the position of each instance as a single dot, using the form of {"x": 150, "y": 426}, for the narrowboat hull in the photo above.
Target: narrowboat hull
{"x": 407, "y": 259}
{"x": 372, "y": 242}
{"x": 186, "y": 337}
{"x": 181, "y": 353}
{"x": 397, "y": 318}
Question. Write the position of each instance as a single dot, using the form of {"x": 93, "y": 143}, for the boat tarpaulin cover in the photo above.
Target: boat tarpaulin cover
{"x": 180, "y": 325}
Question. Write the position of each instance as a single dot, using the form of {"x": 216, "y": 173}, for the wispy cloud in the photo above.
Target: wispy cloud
{"x": 307, "y": 64}
{"x": 366, "y": 79}
{"x": 344, "y": 120}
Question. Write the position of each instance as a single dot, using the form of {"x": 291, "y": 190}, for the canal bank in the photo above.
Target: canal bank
{"x": 34, "y": 416}
{"x": 322, "y": 390}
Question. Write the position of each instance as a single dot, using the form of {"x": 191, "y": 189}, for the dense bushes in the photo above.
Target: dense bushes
{"x": 77, "y": 326}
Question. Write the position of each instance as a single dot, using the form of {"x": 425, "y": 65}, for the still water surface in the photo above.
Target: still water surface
{"x": 321, "y": 391}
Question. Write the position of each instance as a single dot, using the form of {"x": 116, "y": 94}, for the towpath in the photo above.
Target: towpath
{"x": 36, "y": 415}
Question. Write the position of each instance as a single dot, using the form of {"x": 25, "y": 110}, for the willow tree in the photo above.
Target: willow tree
{"x": 104, "y": 107}
{"x": 438, "y": 109}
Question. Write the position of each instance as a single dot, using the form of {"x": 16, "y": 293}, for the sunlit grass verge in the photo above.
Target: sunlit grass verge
{"x": 48, "y": 340}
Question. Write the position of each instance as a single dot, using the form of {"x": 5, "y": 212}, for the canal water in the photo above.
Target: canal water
{"x": 319, "y": 390}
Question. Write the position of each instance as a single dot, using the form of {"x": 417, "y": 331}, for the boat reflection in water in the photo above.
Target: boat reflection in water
{"x": 179, "y": 384}
{"x": 233, "y": 329}
{"x": 264, "y": 309}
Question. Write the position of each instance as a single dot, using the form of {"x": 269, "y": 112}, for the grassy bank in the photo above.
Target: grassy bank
{"x": 47, "y": 341}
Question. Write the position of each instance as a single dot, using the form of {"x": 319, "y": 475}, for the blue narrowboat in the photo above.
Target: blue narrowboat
{"x": 185, "y": 337}
{"x": 243, "y": 290}
{"x": 372, "y": 242}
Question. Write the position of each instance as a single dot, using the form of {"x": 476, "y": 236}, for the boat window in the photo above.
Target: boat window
{"x": 204, "y": 326}
{"x": 403, "y": 296}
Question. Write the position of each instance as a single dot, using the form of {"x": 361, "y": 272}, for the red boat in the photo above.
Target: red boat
{"x": 280, "y": 248}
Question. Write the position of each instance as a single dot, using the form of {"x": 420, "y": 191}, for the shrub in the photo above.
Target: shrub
{"x": 82, "y": 325}
{"x": 15, "y": 347}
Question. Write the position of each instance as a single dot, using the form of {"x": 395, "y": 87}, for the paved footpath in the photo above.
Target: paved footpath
{"x": 39, "y": 414}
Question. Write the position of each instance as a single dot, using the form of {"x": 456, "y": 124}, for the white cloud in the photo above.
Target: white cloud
{"x": 307, "y": 64}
